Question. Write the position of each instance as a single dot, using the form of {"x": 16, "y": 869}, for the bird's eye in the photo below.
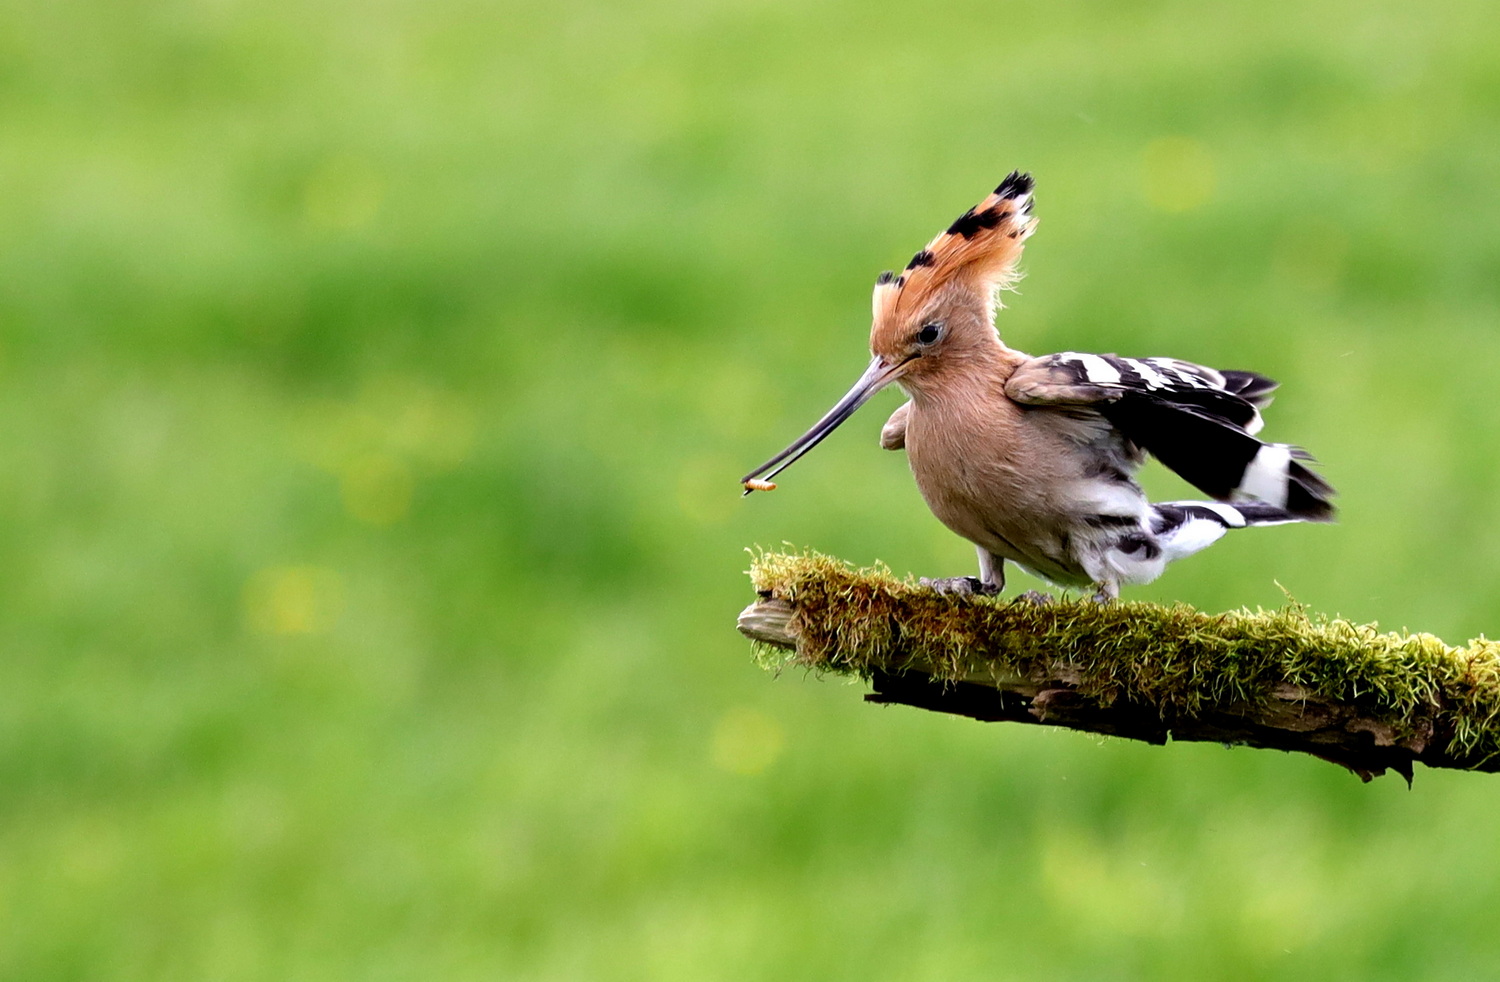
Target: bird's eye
{"x": 930, "y": 332}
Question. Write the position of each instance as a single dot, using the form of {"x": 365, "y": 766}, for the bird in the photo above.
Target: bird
{"x": 1034, "y": 459}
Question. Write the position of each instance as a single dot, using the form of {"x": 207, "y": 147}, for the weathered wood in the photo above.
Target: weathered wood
{"x": 1284, "y": 717}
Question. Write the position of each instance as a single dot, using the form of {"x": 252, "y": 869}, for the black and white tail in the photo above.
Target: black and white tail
{"x": 1182, "y": 528}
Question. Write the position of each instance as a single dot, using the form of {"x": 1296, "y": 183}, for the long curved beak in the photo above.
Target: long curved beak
{"x": 876, "y": 377}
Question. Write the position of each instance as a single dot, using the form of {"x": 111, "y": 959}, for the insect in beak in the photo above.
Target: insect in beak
{"x": 876, "y": 377}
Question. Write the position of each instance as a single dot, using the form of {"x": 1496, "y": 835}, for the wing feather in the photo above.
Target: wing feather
{"x": 1198, "y": 421}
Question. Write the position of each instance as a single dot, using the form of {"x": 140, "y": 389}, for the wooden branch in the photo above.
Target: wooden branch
{"x": 1367, "y": 717}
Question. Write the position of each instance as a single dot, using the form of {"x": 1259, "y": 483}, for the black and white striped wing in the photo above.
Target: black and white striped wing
{"x": 1074, "y": 378}
{"x": 1198, "y": 421}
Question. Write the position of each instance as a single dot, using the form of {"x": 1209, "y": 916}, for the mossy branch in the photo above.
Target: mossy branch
{"x": 1348, "y": 693}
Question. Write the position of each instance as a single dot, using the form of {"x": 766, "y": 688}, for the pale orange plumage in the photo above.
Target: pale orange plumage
{"x": 980, "y": 249}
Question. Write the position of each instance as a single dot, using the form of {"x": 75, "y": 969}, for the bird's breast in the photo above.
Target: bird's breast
{"x": 997, "y": 460}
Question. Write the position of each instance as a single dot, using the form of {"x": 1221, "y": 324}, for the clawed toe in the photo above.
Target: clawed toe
{"x": 960, "y": 586}
{"x": 1035, "y": 597}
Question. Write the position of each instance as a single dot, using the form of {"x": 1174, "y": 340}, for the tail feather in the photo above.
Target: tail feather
{"x": 1185, "y": 527}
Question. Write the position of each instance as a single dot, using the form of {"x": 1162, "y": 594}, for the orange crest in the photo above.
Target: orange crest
{"x": 981, "y": 247}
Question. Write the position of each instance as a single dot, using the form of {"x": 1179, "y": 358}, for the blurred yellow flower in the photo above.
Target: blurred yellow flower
{"x": 293, "y": 600}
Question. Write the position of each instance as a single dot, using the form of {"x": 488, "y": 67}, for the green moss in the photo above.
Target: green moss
{"x": 1175, "y": 658}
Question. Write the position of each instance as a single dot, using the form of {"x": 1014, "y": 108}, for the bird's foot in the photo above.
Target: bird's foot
{"x": 1104, "y": 598}
{"x": 961, "y": 586}
{"x": 1036, "y": 598}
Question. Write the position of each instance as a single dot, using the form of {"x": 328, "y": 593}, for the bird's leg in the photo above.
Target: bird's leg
{"x": 990, "y": 581}
{"x": 1108, "y": 591}
{"x": 991, "y": 570}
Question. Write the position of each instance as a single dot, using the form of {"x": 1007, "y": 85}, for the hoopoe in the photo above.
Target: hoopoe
{"x": 1033, "y": 459}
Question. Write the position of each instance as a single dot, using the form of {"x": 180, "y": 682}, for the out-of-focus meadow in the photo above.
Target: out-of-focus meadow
{"x": 374, "y": 383}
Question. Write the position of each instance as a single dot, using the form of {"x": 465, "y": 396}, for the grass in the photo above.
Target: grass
{"x": 374, "y": 384}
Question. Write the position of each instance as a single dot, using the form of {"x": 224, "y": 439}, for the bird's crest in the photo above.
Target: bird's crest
{"x": 981, "y": 247}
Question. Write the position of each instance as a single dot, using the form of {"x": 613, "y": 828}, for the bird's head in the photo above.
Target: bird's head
{"x": 938, "y": 313}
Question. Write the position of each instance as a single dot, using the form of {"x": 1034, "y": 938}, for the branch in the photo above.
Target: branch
{"x": 1347, "y": 693}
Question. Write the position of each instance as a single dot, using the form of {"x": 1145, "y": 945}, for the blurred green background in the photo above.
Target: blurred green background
{"x": 374, "y": 383}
